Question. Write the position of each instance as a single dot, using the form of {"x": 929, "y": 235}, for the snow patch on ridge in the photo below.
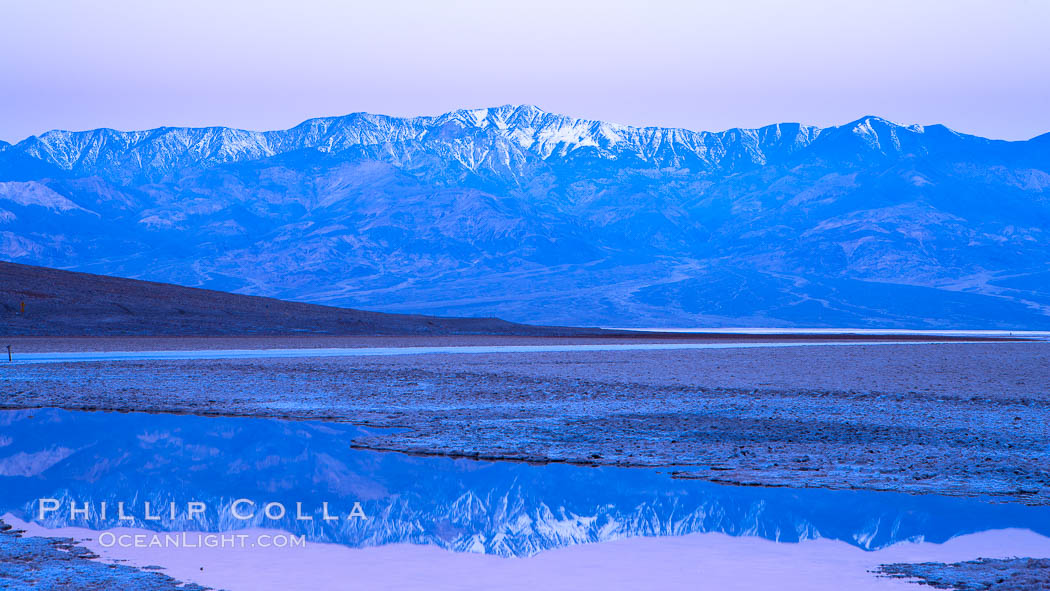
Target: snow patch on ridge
{"x": 33, "y": 193}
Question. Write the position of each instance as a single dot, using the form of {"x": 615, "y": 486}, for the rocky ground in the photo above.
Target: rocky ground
{"x": 955, "y": 419}
{"x": 977, "y": 575}
{"x": 59, "y": 564}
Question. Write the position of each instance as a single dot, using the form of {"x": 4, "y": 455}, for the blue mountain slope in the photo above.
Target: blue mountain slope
{"x": 539, "y": 217}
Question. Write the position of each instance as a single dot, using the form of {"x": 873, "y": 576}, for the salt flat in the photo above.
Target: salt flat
{"x": 950, "y": 418}
{"x": 201, "y": 354}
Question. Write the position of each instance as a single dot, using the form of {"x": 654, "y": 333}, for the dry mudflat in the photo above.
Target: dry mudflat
{"x": 947, "y": 418}
{"x": 30, "y": 562}
{"x": 985, "y": 574}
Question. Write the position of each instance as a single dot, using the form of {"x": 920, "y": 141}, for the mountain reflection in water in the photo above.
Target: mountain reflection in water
{"x": 510, "y": 509}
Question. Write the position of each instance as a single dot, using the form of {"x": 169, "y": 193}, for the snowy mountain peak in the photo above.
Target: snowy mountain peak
{"x": 501, "y": 117}
{"x": 498, "y": 140}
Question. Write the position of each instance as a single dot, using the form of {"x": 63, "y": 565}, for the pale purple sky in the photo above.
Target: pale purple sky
{"x": 978, "y": 67}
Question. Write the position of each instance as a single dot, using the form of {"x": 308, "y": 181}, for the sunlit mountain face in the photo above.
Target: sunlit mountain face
{"x": 539, "y": 217}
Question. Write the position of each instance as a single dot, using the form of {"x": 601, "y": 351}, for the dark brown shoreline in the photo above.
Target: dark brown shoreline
{"x": 44, "y": 309}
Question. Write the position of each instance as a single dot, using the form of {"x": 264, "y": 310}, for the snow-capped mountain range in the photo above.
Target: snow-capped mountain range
{"x": 500, "y": 138}
{"x": 538, "y": 217}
